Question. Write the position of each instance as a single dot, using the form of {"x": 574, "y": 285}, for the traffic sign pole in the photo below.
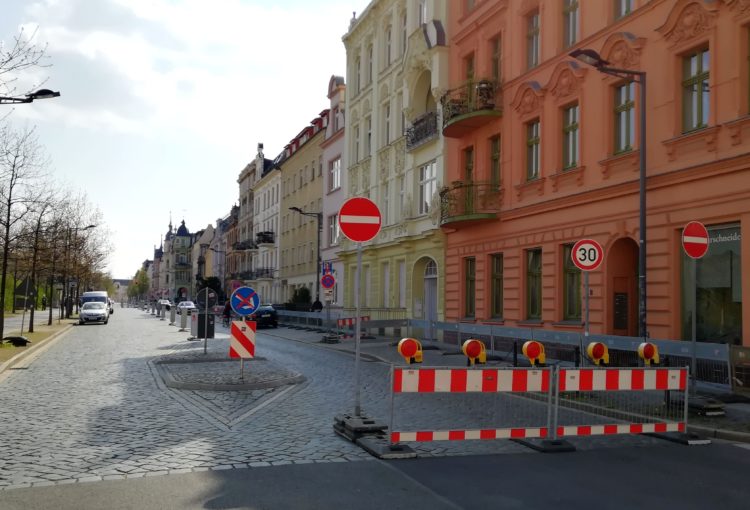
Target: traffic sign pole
{"x": 695, "y": 243}
{"x": 357, "y": 407}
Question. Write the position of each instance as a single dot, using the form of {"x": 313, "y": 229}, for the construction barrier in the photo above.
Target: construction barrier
{"x": 606, "y": 401}
{"x": 448, "y": 404}
{"x": 346, "y": 325}
{"x": 450, "y": 398}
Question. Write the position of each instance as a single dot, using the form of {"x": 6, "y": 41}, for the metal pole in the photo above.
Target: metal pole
{"x": 643, "y": 333}
{"x": 586, "y": 324}
{"x": 205, "y": 326}
{"x": 357, "y": 407}
{"x": 319, "y": 217}
{"x": 390, "y": 427}
{"x": 693, "y": 325}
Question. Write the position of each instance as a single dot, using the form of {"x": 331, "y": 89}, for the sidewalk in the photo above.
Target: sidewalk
{"x": 735, "y": 426}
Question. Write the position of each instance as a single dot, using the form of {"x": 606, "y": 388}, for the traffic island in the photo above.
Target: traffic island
{"x": 215, "y": 373}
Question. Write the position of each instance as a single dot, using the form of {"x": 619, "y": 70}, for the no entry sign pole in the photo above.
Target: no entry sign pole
{"x": 360, "y": 220}
{"x": 695, "y": 244}
{"x": 357, "y": 406}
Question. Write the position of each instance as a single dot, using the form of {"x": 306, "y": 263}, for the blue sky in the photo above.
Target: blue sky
{"x": 163, "y": 102}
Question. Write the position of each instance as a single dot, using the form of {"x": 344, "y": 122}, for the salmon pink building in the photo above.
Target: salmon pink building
{"x": 543, "y": 150}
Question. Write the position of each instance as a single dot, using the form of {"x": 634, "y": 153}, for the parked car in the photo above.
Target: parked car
{"x": 93, "y": 311}
{"x": 165, "y": 303}
{"x": 188, "y": 306}
{"x": 265, "y": 315}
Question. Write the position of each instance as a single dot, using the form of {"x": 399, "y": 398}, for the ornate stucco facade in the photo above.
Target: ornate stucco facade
{"x": 396, "y": 64}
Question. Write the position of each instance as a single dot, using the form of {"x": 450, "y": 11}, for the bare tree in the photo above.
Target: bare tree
{"x": 22, "y": 172}
{"x": 20, "y": 55}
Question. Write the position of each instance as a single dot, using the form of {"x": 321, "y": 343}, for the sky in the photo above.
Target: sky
{"x": 163, "y": 102}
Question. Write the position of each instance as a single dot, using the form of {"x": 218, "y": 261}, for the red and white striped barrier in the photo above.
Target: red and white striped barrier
{"x": 613, "y": 429}
{"x": 462, "y": 380}
{"x": 622, "y": 379}
{"x": 463, "y": 435}
{"x": 350, "y": 322}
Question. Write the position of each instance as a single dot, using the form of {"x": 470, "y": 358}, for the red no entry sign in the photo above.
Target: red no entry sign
{"x": 695, "y": 239}
{"x": 359, "y": 219}
{"x": 587, "y": 254}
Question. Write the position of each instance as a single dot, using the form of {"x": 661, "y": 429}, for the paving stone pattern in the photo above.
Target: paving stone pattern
{"x": 93, "y": 407}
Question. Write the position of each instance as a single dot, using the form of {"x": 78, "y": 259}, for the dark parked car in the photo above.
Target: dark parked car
{"x": 265, "y": 315}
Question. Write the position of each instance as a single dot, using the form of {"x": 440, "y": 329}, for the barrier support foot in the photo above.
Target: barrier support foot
{"x": 380, "y": 447}
{"x": 547, "y": 445}
{"x": 688, "y": 439}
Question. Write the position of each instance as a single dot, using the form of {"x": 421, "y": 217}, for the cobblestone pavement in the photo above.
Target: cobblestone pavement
{"x": 94, "y": 407}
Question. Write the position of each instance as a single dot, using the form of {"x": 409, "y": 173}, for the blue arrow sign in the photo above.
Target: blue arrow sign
{"x": 244, "y": 301}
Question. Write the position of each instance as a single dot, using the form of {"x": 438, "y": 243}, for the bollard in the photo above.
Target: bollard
{"x": 172, "y": 315}
{"x": 183, "y": 321}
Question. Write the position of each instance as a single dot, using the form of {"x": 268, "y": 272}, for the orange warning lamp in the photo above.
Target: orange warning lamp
{"x": 474, "y": 350}
{"x": 534, "y": 351}
{"x": 598, "y": 353}
{"x": 411, "y": 350}
{"x": 649, "y": 353}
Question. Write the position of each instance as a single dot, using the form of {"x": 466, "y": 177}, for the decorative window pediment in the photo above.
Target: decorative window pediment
{"x": 566, "y": 79}
{"x": 528, "y": 98}
{"x": 688, "y": 20}
{"x": 623, "y": 50}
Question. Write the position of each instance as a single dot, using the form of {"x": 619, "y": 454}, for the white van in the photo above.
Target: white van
{"x": 97, "y": 295}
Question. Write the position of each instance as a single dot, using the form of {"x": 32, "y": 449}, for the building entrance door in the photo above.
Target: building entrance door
{"x": 430, "y": 297}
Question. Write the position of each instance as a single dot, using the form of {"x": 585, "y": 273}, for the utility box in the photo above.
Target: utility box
{"x": 198, "y": 324}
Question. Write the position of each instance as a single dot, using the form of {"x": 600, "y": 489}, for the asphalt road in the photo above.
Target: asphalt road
{"x": 91, "y": 424}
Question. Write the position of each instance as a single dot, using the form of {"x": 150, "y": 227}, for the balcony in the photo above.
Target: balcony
{"x": 262, "y": 238}
{"x": 264, "y": 273}
{"x": 423, "y": 129}
{"x": 470, "y": 106}
{"x": 245, "y": 275}
{"x": 244, "y": 245}
{"x": 469, "y": 203}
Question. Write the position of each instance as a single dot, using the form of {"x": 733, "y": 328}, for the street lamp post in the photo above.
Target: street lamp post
{"x": 29, "y": 98}
{"x": 592, "y": 58}
{"x": 319, "y": 217}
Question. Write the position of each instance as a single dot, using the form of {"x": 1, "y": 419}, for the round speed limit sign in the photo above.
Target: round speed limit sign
{"x": 587, "y": 254}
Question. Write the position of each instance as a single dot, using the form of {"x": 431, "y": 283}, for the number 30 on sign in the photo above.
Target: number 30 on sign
{"x": 587, "y": 254}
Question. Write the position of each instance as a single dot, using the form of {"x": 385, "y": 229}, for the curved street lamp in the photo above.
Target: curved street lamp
{"x": 319, "y": 217}
{"x": 592, "y": 58}
{"x": 29, "y": 98}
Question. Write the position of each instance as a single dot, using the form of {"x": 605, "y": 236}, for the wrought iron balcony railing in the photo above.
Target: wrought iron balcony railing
{"x": 264, "y": 238}
{"x": 471, "y": 105}
{"x": 262, "y": 273}
{"x": 244, "y": 245}
{"x": 423, "y": 129}
{"x": 469, "y": 202}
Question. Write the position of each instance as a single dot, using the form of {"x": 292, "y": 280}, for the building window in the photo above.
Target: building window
{"x": 356, "y": 144}
{"x": 368, "y": 139}
{"x": 427, "y": 186}
{"x": 422, "y": 12}
{"x": 388, "y": 46}
{"x": 370, "y": 58}
{"x": 624, "y": 117}
{"x": 695, "y": 90}
{"x": 385, "y": 272}
{"x": 387, "y": 123}
{"x": 334, "y": 169}
{"x": 714, "y": 294}
{"x": 495, "y": 161}
{"x": 532, "y": 40}
{"x": 401, "y": 284}
{"x": 532, "y": 150}
{"x": 333, "y": 230}
{"x": 358, "y": 67}
{"x": 570, "y": 137}
{"x": 623, "y": 8}
{"x": 403, "y": 33}
{"x": 534, "y": 284}
{"x": 496, "y": 286}
{"x": 571, "y": 286}
{"x": 470, "y": 264}
{"x": 570, "y": 22}
{"x": 469, "y": 67}
{"x": 496, "y": 51}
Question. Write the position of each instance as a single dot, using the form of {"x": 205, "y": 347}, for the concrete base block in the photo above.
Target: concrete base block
{"x": 547, "y": 445}
{"x": 706, "y": 406}
{"x": 689, "y": 439}
{"x": 330, "y": 339}
{"x": 379, "y": 447}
